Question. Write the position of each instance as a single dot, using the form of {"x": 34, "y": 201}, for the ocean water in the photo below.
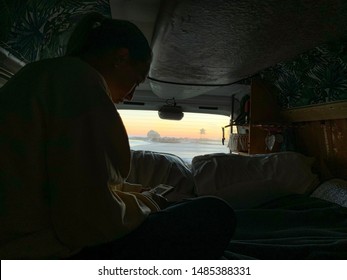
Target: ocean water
{"x": 185, "y": 150}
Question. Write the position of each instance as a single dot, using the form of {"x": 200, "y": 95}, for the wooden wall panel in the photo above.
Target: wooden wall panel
{"x": 328, "y": 111}
{"x": 327, "y": 142}
{"x": 264, "y": 111}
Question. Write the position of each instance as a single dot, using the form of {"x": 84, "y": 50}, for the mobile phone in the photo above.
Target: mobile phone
{"x": 161, "y": 189}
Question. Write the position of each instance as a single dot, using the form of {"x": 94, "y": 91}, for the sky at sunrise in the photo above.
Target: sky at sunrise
{"x": 139, "y": 123}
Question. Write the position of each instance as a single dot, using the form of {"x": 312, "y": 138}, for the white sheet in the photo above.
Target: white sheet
{"x": 153, "y": 168}
{"x": 246, "y": 181}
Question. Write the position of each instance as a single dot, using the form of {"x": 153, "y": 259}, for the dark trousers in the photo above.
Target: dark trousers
{"x": 198, "y": 228}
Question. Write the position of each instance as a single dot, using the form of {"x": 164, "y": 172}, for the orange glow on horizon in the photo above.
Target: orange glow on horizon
{"x": 139, "y": 123}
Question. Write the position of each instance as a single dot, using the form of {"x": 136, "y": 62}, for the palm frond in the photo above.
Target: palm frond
{"x": 40, "y": 28}
{"x": 290, "y": 88}
{"x": 330, "y": 81}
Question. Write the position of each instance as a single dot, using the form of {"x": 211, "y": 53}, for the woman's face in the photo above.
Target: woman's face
{"x": 129, "y": 74}
{"x": 121, "y": 73}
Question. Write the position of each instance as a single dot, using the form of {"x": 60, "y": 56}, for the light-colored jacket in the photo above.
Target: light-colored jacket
{"x": 62, "y": 144}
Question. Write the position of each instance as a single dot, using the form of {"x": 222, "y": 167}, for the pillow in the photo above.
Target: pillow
{"x": 153, "y": 168}
{"x": 334, "y": 190}
{"x": 246, "y": 181}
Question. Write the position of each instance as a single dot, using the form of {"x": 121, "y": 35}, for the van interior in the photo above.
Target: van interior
{"x": 244, "y": 100}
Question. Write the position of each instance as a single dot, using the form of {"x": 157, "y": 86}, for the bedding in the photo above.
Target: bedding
{"x": 290, "y": 227}
{"x": 247, "y": 181}
{"x": 280, "y": 211}
{"x": 153, "y": 168}
{"x": 334, "y": 190}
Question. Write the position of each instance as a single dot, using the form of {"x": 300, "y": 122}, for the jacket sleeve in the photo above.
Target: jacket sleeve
{"x": 83, "y": 128}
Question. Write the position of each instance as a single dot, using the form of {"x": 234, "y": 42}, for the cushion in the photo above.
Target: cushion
{"x": 153, "y": 168}
{"x": 247, "y": 181}
{"x": 334, "y": 190}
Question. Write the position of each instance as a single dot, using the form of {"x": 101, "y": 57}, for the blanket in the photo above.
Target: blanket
{"x": 291, "y": 227}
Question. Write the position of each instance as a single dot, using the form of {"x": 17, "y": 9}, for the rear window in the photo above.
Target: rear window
{"x": 196, "y": 134}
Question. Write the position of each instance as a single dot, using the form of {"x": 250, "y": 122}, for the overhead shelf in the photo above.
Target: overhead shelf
{"x": 327, "y": 111}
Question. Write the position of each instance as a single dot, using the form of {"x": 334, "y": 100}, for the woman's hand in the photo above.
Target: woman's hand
{"x": 161, "y": 201}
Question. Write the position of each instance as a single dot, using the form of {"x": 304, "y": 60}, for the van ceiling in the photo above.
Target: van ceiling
{"x": 219, "y": 42}
{"x": 200, "y": 45}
